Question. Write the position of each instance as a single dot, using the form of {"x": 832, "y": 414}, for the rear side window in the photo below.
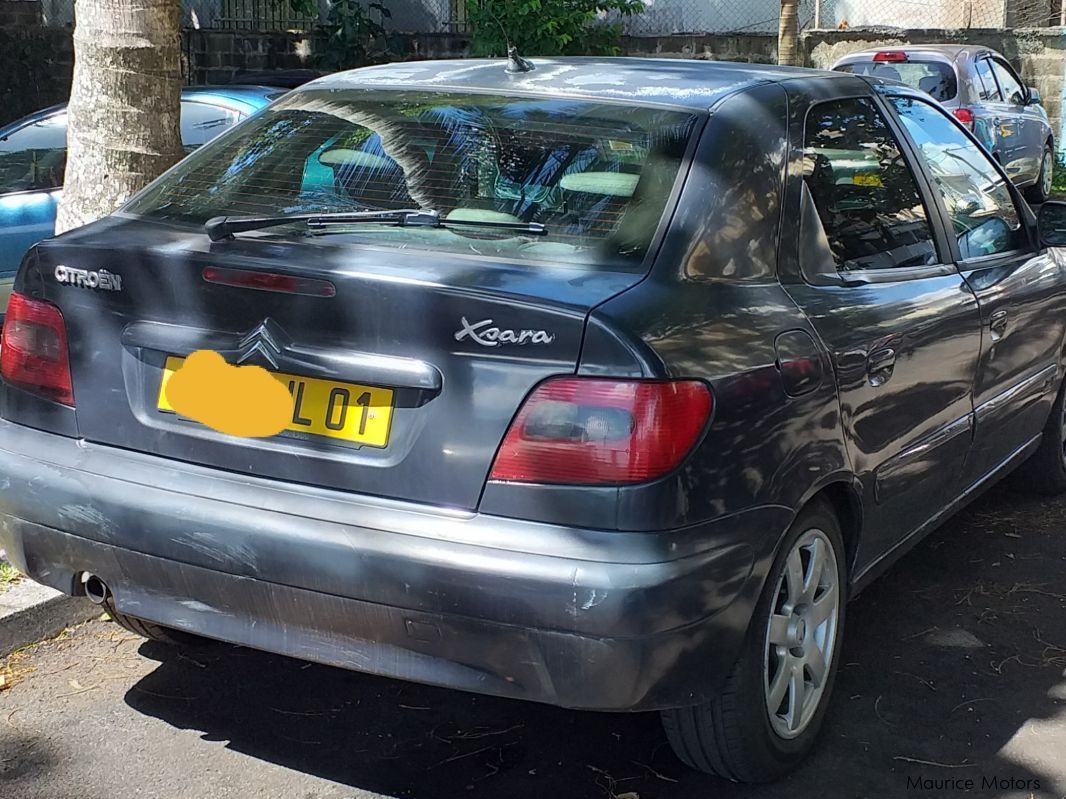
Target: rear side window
{"x": 34, "y": 157}
{"x": 597, "y": 175}
{"x": 935, "y": 78}
{"x": 866, "y": 196}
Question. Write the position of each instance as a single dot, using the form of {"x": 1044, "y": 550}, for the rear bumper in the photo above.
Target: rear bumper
{"x": 572, "y": 617}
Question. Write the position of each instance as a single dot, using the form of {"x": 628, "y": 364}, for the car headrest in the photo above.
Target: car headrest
{"x": 614, "y": 184}
{"x": 343, "y": 157}
{"x": 480, "y": 215}
{"x": 886, "y": 72}
{"x": 930, "y": 85}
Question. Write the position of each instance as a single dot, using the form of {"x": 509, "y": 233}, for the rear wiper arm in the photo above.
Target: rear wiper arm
{"x": 223, "y": 227}
{"x": 433, "y": 218}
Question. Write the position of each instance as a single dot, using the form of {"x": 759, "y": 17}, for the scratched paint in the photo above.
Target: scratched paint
{"x": 237, "y": 400}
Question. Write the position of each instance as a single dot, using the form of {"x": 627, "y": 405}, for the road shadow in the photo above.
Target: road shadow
{"x": 946, "y": 658}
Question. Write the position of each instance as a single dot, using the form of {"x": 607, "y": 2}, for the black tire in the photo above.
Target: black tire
{"x": 1040, "y": 191}
{"x": 1045, "y": 471}
{"x": 732, "y": 735}
{"x": 153, "y": 631}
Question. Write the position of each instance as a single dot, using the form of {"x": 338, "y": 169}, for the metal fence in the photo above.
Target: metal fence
{"x": 407, "y": 16}
{"x": 763, "y": 16}
{"x": 937, "y": 13}
{"x": 660, "y": 17}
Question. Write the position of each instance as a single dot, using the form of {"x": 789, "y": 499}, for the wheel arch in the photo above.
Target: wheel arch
{"x": 844, "y": 498}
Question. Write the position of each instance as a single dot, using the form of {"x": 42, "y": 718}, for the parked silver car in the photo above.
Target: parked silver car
{"x": 984, "y": 92}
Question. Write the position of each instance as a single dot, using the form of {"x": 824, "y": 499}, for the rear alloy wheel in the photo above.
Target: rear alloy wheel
{"x": 801, "y": 634}
{"x": 786, "y": 669}
{"x": 1040, "y": 191}
{"x": 1045, "y": 471}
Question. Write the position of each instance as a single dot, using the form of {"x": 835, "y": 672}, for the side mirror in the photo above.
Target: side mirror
{"x": 1051, "y": 223}
{"x": 1034, "y": 96}
{"x": 991, "y": 236}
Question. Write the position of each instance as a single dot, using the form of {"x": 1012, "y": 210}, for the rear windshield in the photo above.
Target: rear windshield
{"x": 597, "y": 175}
{"x": 932, "y": 77}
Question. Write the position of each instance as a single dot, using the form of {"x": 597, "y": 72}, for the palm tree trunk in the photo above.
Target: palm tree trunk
{"x": 788, "y": 34}
{"x": 125, "y": 104}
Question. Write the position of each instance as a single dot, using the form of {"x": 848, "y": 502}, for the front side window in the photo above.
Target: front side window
{"x": 597, "y": 175}
{"x": 985, "y": 219}
{"x": 1010, "y": 86}
{"x": 987, "y": 90}
{"x": 866, "y": 196}
{"x": 34, "y": 157}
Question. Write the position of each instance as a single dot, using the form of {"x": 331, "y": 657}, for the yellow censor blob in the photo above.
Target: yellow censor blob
{"x": 237, "y": 400}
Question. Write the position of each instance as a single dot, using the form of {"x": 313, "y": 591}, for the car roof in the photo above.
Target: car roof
{"x": 254, "y": 97}
{"x": 242, "y": 98}
{"x": 948, "y": 51}
{"x": 688, "y": 83}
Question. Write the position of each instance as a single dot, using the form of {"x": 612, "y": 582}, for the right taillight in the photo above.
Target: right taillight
{"x": 965, "y": 116}
{"x": 33, "y": 350}
{"x": 599, "y": 431}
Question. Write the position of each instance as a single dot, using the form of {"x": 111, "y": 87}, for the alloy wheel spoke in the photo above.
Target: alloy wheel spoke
{"x": 797, "y": 692}
{"x": 815, "y": 662}
{"x": 779, "y": 685}
{"x": 822, "y": 609}
{"x": 794, "y": 578}
{"x": 778, "y": 634}
{"x": 814, "y": 571}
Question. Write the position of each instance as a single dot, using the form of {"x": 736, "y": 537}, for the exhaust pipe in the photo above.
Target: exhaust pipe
{"x": 95, "y": 589}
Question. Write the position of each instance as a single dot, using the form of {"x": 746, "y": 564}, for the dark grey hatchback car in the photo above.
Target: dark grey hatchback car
{"x": 612, "y": 381}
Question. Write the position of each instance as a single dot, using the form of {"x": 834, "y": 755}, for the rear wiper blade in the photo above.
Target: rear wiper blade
{"x": 433, "y": 218}
{"x": 223, "y": 227}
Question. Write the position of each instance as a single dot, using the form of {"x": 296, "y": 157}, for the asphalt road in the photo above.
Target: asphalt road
{"x": 957, "y": 657}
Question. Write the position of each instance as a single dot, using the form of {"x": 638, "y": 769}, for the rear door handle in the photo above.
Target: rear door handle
{"x": 880, "y": 365}
{"x": 997, "y": 323}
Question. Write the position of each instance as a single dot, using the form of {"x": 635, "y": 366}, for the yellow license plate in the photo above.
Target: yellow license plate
{"x": 347, "y": 411}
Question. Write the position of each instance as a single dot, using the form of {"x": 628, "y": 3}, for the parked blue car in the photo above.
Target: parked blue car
{"x": 984, "y": 92}
{"x": 33, "y": 156}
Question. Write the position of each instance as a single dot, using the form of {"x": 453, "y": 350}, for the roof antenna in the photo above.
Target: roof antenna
{"x": 515, "y": 62}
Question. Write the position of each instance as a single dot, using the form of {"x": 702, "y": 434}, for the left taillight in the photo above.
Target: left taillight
{"x": 33, "y": 349}
{"x": 599, "y": 431}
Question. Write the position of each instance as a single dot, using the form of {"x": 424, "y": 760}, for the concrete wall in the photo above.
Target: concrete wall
{"x": 1039, "y": 55}
{"x": 19, "y": 13}
{"x": 757, "y": 48}
{"x": 36, "y": 65}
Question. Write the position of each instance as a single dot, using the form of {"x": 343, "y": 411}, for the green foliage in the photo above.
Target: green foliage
{"x": 1058, "y": 185}
{"x": 8, "y": 576}
{"x": 353, "y": 39}
{"x": 547, "y": 27}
